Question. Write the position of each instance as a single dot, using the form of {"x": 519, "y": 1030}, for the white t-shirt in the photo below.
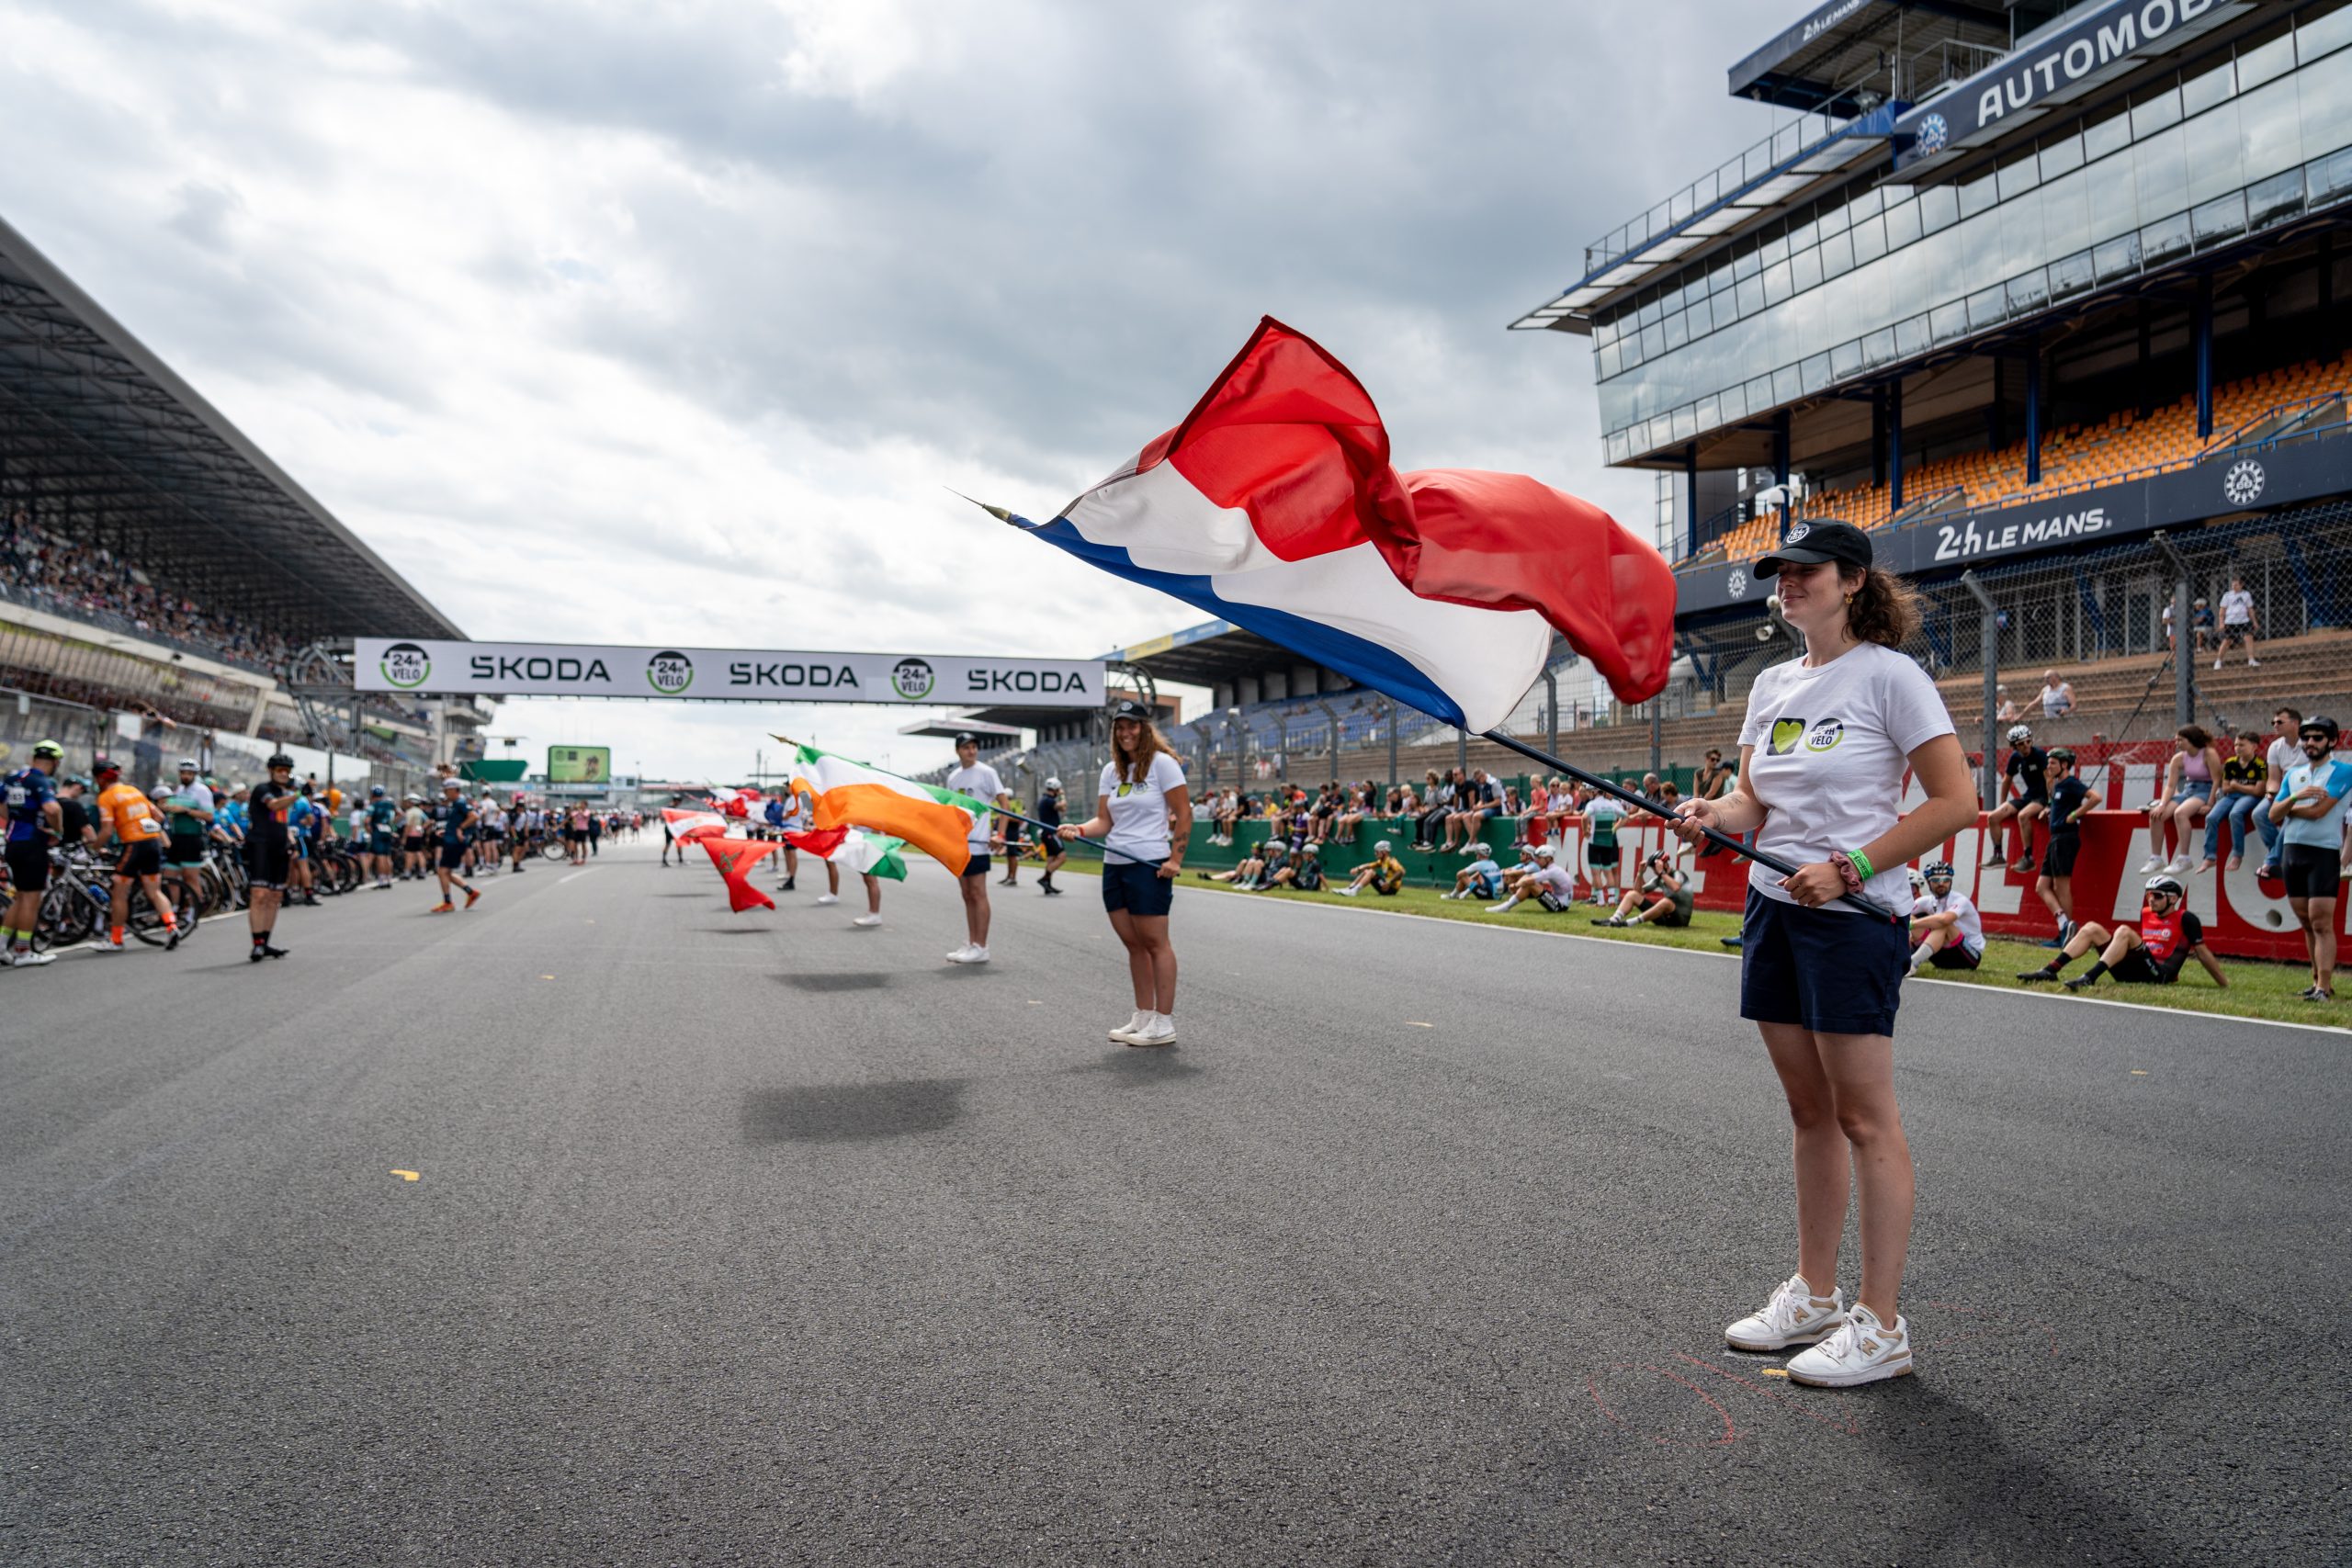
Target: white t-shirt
{"x": 2057, "y": 699}
{"x": 1830, "y": 745}
{"x": 1972, "y": 924}
{"x": 2283, "y": 754}
{"x": 1139, "y": 810}
{"x": 979, "y": 782}
{"x": 1557, "y": 879}
{"x": 2237, "y": 608}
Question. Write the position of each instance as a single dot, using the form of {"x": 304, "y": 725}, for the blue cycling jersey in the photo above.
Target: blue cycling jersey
{"x": 27, "y": 793}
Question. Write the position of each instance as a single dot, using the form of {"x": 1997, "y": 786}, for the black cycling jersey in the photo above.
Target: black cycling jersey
{"x": 265, "y": 828}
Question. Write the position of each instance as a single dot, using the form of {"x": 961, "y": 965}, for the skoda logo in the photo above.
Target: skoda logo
{"x": 405, "y": 665}
{"x": 912, "y": 679}
{"x": 1934, "y": 135}
{"x": 2242, "y": 484}
{"x": 1799, "y": 532}
{"x": 1736, "y": 584}
{"x": 669, "y": 672}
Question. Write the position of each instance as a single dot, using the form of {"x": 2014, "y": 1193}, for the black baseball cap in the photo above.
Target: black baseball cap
{"x": 1129, "y": 708}
{"x": 967, "y": 739}
{"x": 1809, "y": 543}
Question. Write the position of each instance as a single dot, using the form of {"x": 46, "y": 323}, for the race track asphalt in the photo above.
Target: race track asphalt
{"x": 760, "y": 1238}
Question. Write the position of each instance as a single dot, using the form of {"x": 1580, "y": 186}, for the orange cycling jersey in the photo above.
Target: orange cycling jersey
{"x": 132, "y": 815}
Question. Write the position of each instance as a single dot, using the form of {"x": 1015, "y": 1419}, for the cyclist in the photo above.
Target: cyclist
{"x": 126, "y": 814}
{"x": 301, "y": 824}
{"x": 456, "y": 824}
{"x": 34, "y": 819}
{"x": 267, "y": 853}
{"x": 187, "y": 826}
{"x": 74, "y": 807}
{"x": 382, "y": 817}
{"x": 412, "y": 826}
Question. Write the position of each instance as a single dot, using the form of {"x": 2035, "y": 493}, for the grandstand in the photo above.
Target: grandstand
{"x": 154, "y": 562}
{"x": 2019, "y": 289}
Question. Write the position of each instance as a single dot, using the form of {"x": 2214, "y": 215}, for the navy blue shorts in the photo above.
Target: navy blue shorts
{"x": 1137, "y": 889}
{"x": 1833, "y": 972}
{"x": 977, "y": 867}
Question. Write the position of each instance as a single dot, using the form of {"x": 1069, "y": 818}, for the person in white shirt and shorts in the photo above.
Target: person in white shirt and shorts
{"x": 1947, "y": 931}
{"x": 2238, "y": 624}
{"x": 1146, "y": 815}
{"x": 973, "y": 777}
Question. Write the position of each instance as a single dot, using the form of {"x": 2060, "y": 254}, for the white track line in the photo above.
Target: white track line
{"x": 576, "y": 875}
{"x": 2069, "y": 1001}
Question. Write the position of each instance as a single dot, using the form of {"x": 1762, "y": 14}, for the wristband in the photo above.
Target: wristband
{"x": 1843, "y": 864}
{"x": 1861, "y": 864}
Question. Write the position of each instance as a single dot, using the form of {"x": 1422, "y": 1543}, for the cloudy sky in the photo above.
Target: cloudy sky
{"x": 651, "y": 322}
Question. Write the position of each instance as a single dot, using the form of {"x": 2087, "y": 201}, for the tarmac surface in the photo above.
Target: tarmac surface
{"x": 760, "y": 1238}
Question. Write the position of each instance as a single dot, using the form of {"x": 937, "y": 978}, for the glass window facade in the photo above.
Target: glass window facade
{"x": 2236, "y": 142}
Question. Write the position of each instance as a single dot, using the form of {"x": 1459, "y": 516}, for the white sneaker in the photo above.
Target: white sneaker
{"x": 829, "y": 897}
{"x": 102, "y": 946}
{"x": 1126, "y": 1032}
{"x": 1348, "y": 892}
{"x": 976, "y": 955}
{"x": 2152, "y": 864}
{"x": 29, "y": 959}
{"x": 1160, "y": 1031}
{"x": 1862, "y": 1350}
{"x": 2176, "y": 865}
{"x": 962, "y": 954}
{"x": 1794, "y": 1316}
{"x": 2254, "y": 663}
{"x": 2217, "y": 665}
{"x": 867, "y": 920}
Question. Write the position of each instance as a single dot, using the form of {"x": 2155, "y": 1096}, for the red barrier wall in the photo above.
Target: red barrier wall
{"x": 2244, "y": 918}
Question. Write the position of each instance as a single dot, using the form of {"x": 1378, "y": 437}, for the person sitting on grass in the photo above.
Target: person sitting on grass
{"x": 1384, "y": 874}
{"x": 1482, "y": 879}
{"x": 1946, "y": 929}
{"x": 1304, "y": 870}
{"x": 1247, "y": 875}
{"x": 1663, "y": 899}
{"x": 1548, "y": 885}
{"x": 2154, "y": 953}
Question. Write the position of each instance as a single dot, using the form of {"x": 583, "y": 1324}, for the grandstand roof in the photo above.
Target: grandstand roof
{"x": 95, "y": 427}
{"x": 1841, "y": 49}
{"x": 1206, "y": 654}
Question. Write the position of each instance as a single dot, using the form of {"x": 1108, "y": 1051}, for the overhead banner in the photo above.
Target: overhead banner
{"x": 725, "y": 674}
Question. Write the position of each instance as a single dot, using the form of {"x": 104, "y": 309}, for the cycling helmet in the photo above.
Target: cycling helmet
{"x": 188, "y": 765}
{"x": 1482, "y": 851}
{"x": 2162, "y": 883}
{"x": 2322, "y": 725}
{"x": 2062, "y": 754}
{"x": 1918, "y": 882}
{"x": 1053, "y": 786}
{"x": 1544, "y": 852}
{"x": 2020, "y": 732}
{"x": 375, "y": 790}
{"x": 1382, "y": 848}
{"x": 1938, "y": 871}
{"x": 48, "y": 749}
{"x": 447, "y": 784}
{"x": 280, "y": 759}
{"x": 1315, "y": 850}
{"x": 102, "y": 766}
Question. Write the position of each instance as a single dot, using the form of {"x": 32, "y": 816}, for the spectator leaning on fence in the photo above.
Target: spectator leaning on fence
{"x": 2070, "y": 802}
{"x": 2056, "y": 698}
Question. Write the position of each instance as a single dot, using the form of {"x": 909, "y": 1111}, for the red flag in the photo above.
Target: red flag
{"x": 818, "y": 842}
{"x": 735, "y": 858}
{"x": 685, "y": 827}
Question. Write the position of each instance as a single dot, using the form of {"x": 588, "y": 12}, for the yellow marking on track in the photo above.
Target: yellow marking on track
{"x": 1417, "y": 1023}
{"x": 405, "y": 1175}
{"x": 1775, "y": 1371}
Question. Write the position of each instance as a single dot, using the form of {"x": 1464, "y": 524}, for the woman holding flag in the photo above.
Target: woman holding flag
{"x": 1147, "y": 814}
{"x": 1822, "y": 758}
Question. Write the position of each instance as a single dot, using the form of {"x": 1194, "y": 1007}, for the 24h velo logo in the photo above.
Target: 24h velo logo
{"x": 405, "y": 665}
{"x": 670, "y": 672}
{"x": 912, "y": 679}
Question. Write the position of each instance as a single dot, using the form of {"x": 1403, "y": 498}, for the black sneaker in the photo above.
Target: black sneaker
{"x": 171, "y": 942}
{"x": 257, "y": 955}
{"x": 2080, "y": 982}
{"x": 2032, "y": 975}
{"x": 274, "y": 952}
{"x": 787, "y": 884}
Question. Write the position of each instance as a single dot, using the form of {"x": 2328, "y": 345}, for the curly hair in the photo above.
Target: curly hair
{"x": 1883, "y": 608}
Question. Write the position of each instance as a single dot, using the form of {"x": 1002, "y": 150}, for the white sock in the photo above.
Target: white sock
{"x": 1921, "y": 954}
{"x": 1511, "y": 902}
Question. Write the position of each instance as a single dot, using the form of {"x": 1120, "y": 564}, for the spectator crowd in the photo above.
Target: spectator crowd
{"x": 40, "y": 570}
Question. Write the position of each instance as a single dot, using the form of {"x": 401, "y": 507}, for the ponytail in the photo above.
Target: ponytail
{"x": 1884, "y": 609}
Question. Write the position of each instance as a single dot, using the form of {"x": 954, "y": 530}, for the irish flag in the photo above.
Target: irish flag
{"x": 870, "y": 854}
{"x": 849, "y": 794}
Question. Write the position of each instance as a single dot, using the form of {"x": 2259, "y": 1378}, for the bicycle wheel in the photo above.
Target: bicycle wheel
{"x": 555, "y": 849}
{"x": 67, "y": 915}
{"x": 145, "y": 923}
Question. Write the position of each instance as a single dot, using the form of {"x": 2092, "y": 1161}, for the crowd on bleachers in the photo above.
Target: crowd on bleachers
{"x": 43, "y": 571}
{"x": 2073, "y": 458}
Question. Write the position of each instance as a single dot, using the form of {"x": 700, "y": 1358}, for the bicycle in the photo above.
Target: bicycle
{"x": 80, "y": 903}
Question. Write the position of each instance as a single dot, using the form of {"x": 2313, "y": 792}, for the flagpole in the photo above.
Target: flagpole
{"x": 1659, "y": 808}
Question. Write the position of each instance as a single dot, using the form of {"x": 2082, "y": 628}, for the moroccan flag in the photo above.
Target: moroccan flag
{"x": 1273, "y": 505}
{"x": 848, "y": 794}
{"x": 685, "y": 827}
{"x": 735, "y": 858}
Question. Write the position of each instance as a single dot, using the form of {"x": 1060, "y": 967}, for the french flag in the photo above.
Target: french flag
{"x": 1273, "y": 505}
